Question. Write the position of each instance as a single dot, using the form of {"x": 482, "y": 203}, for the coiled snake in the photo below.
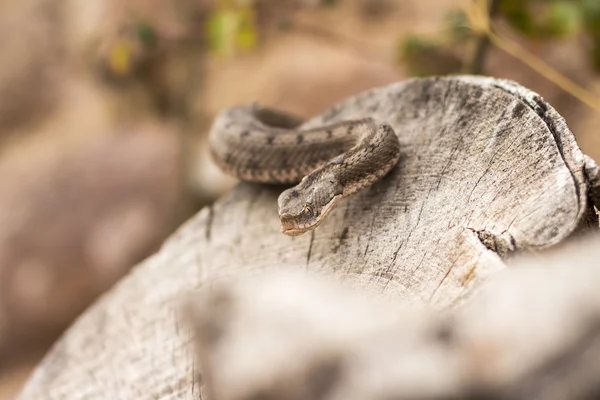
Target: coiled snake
{"x": 330, "y": 162}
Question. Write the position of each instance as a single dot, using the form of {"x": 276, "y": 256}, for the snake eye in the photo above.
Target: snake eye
{"x": 307, "y": 208}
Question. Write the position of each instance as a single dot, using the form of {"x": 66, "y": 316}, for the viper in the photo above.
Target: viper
{"x": 327, "y": 162}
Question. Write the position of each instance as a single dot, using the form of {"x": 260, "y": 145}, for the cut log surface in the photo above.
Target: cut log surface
{"x": 487, "y": 169}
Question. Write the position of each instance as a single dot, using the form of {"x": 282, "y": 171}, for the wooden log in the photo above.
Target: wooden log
{"x": 531, "y": 333}
{"x": 487, "y": 169}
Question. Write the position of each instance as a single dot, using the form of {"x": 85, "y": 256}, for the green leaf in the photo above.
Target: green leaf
{"x": 521, "y": 20}
{"x": 222, "y": 32}
{"x": 246, "y": 32}
{"x": 590, "y": 10}
{"x": 146, "y": 34}
{"x": 563, "y": 19}
{"x": 231, "y": 29}
{"x": 459, "y": 25}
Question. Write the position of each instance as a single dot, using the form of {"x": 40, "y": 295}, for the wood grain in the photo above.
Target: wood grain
{"x": 487, "y": 170}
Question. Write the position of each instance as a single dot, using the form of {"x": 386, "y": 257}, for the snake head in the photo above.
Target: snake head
{"x": 303, "y": 207}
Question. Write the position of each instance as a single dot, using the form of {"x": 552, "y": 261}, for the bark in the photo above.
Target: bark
{"x": 488, "y": 170}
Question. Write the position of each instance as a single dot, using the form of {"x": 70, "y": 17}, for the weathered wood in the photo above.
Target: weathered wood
{"x": 532, "y": 334}
{"x": 487, "y": 169}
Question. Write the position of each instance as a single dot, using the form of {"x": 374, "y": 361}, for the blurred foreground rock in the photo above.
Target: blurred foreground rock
{"x": 532, "y": 333}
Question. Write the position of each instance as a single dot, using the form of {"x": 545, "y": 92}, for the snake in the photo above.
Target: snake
{"x": 325, "y": 163}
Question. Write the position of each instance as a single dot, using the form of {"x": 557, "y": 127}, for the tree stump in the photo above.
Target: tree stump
{"x": 488, "y": 170}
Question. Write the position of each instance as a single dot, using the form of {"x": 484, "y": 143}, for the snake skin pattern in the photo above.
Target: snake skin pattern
{"x": 330, "y": 162}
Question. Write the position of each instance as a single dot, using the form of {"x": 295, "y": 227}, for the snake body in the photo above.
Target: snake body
{"x": 330, "y": 162}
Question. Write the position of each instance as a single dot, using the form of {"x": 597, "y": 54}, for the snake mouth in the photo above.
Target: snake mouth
{"x": 290, "y": 227}
{"x": 293, "y": 231}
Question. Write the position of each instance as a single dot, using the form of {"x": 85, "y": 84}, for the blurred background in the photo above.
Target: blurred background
{"x": 105, "y": 107}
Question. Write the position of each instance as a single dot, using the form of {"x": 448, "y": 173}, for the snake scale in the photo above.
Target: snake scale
{"x": 328, "y": 162}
